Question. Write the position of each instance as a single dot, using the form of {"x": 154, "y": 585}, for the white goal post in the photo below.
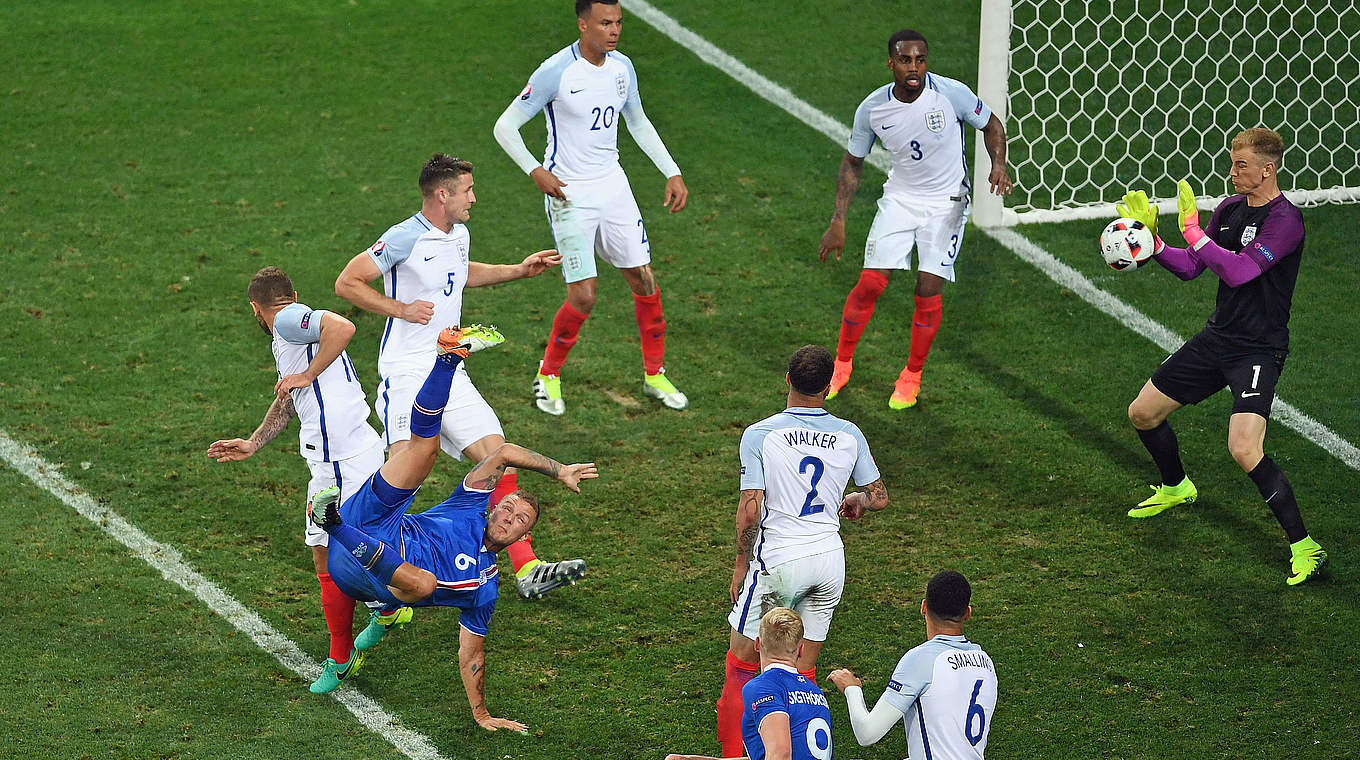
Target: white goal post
{"x": 1101, "y": 96}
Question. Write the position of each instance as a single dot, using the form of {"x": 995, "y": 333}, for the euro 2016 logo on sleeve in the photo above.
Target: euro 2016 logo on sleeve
{"x": 621, "y": 84}
{"x": 935, "y": 121}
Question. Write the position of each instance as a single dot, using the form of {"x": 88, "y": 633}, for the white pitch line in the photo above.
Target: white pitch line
{"x": 1026, "y": 250}
{"x": 172, "y": 565}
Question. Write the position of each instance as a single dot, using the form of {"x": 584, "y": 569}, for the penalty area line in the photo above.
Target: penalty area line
{"x": 171, "y": 564}
{"x": 1022, "y": 247}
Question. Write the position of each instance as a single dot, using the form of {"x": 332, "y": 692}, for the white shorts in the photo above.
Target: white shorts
{"x": 599, "y": 217}
{"x": 936, "y": 231}
{"x": 811, "y": 586}
{"x": 467, "y": 417}
{"x": 349, "y": 474}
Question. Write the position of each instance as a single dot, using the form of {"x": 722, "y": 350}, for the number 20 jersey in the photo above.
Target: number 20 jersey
{"x": 802, "y": 459}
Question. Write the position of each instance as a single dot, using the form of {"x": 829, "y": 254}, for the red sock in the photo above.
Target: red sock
{"x": 566, "y": 326}
{"x": 924, "y": 324}
{"x": 521, "y": 552}
{"x": 730, "y": 706}
{"x": 810, "y": 674}
{"x": 652, "y": 328}
{"x": 339, "y": 611}
{"x": 507, "y": 485}
{"x": 859, "y": 308}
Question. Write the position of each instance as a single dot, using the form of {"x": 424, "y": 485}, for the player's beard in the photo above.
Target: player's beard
{"x": 264, "y": 326}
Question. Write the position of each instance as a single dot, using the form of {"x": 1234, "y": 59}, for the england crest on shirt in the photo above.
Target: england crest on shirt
{"x": 463, "y": 251}
{"x": 1248, "y": 234}
{"x": 935, "y": 121}
{"x": 621, "y": 84}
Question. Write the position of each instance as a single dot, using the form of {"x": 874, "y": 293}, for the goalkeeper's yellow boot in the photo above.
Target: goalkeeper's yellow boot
{"x": 658, "y": 386}
{"x": 1165, "y": 497}
{"x": 378, "y": 626}
{"x": 1307, "y": 561}
{"x": 905, "y": 390}
{"x": 332, "y": 673}
{"x": 840, "y": 376}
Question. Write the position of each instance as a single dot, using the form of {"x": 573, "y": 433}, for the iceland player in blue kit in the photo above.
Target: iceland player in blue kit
{"x": 784, "y": 715}
{"x": 445, "y": 556}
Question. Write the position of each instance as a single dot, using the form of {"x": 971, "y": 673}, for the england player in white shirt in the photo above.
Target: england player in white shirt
{"x": 943, "y": 691}
{"x": 919, "y": 119}
{"x": 795, "y": 467}
{"x": 424, "y": 265}
{"x": 584, "y": 90}
{"x": 318, "y": 385}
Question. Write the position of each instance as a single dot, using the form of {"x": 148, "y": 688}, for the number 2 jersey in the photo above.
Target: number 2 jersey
{"x": 781, "y": 689}
{"x": 946, "y": 689}
{"x": 924, "y": 137}
{"x": 802, "y": 458}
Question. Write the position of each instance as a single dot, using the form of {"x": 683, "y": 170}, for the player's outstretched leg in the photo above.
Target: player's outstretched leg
{"x": 859, "y": 309}
{"x": 538, "y": 578}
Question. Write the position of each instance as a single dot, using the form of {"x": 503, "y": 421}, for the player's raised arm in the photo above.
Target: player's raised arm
{"x": 472, "y": 667}
{"x": 488, "y": 472}
{"x": 335, "y": 334}
{"x": 847, "y": 182}
{"x": 353, "y": 286}
{"x": 275, "y": 420}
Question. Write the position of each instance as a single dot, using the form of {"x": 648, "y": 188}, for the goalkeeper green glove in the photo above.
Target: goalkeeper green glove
{"x": 1188, "y": 214}
{"x": 1136, "y": 206}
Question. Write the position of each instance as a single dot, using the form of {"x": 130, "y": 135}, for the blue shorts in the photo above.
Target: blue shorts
{"x": 377, "y": 512}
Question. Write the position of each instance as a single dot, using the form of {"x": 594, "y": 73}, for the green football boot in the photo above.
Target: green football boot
{"x": 378, "y": 626}
{"x": 1165, "y": 497}
{"x": 548, "y": 394}
{"x": 659, "y": 386}
{"x": 1307, "y": 561}
{"x": 332, "y": 673}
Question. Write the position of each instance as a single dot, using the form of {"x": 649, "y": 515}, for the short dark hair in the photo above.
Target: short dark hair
{"x": 529, "y": 499}
{"x": 440, "y": 169}
{"x": 905, "y": 35}
{"x": 270, "y": 287}
{"x": 583, "y": 6}
{"x": 810, "y": 370}
{"x": 947, "y": 596}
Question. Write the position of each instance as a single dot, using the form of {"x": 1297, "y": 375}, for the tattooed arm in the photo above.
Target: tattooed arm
{"x": 280, "y": 413}
{"x": 488, "y": 472}
{"x": 748, "y": 526}
{"x": 847, "y": 182}
{"x": 472, "y": 667}
{"x": 873, "y": 498}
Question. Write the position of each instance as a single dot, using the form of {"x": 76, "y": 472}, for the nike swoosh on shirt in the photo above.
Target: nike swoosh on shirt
{"x": 573, "y": 92}
{"x": 430, "y": 258}
{"x": 887, "y": 127}
{"x": 1249, "y": 395}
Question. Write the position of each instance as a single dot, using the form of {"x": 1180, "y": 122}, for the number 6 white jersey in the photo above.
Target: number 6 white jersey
{"x": 802, "y": 459}
{"x": 946, "y": 689}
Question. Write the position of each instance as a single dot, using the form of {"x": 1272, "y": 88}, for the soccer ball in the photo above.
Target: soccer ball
{"x": 1126, "y": 244}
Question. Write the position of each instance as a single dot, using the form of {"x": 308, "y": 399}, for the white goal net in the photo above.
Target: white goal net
{"x": 1105, "y": 96}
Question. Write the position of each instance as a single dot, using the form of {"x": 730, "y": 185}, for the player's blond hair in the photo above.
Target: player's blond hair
{"x": 781, "y": 631}
{"x": 1265, "y": 143}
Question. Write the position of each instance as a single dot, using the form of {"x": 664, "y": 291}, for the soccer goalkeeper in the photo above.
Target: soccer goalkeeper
{"x": 1253, "y": 242}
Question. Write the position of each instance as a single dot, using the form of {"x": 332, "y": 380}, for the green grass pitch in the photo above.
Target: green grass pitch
{"x": 155, "y": 155}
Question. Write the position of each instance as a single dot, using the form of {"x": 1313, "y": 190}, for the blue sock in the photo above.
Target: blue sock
{"x": 378, "y": 558}
{"x": 427, "y": 413}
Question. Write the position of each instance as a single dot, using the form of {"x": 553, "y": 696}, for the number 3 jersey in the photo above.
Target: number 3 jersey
{"x": 946, "y": 689}
{"x": 802, "y": 459}
{"x": 924, "y": 137}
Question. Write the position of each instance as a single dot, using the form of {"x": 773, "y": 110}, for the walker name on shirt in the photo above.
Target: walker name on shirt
{"x": 810, "y": 438}
{"x": 970, "y": 660}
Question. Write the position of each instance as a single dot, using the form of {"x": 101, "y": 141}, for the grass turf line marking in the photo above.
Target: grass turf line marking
{"x": 1022, "y": 247}
{"x": 172, "y": 565}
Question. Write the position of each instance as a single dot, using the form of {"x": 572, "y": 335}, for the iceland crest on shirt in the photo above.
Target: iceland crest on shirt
{"x": 935, "y": 121}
